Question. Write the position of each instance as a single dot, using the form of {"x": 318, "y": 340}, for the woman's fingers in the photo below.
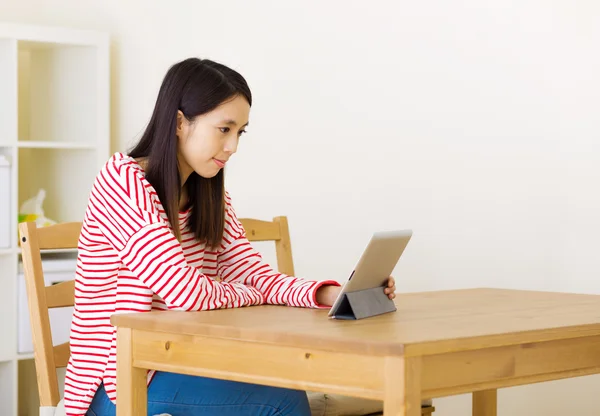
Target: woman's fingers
{"x": 391, "y": 288}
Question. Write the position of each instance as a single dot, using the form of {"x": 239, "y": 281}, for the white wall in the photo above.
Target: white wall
{"x": 472, "y": 122}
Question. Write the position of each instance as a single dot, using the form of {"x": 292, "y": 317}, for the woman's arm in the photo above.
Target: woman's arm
{"x": 238, "y": 261}
{"x": 125, "y": 210}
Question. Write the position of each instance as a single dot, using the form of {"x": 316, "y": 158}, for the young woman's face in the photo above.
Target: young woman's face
{"x": 206, "y": 144}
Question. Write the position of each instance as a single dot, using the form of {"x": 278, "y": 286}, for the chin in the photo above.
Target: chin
{"x": 207, "y": 174}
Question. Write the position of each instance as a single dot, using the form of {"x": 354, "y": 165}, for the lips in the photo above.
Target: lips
{"x": 220, "y": 163}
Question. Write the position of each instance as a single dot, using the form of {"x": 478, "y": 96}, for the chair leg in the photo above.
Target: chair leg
{"x": 485, "y": 403}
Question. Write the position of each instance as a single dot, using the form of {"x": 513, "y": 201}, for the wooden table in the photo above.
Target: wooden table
{"x": 436, "y": 344}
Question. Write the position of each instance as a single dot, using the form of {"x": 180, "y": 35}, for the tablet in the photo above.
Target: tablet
{"x": 375, "y": 265}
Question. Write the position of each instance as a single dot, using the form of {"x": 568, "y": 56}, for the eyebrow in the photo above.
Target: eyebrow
{"x": 233, "y": 123}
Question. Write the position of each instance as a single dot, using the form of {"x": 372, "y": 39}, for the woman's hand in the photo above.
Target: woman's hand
{"x": 391, "y": 288}
{"x": 327, "y": 294}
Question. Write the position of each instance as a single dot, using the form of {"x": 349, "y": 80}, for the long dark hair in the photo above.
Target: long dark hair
{"x": 194, "y": 86}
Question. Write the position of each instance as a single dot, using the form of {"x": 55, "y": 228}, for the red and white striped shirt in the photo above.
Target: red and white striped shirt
{"x": 130, "y": 261}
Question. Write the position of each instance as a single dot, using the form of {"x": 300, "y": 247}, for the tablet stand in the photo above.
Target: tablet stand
{"x": 364, "y": 304}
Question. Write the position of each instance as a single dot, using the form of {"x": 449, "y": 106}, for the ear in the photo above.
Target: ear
{"x": 180, "y": 128}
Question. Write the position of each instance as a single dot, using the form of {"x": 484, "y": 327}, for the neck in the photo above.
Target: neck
{"x": 184, "y": 174}
{"x": 183, "y": 195}
{"x": 183, "y": 199}
{"x": 185, "y": 170}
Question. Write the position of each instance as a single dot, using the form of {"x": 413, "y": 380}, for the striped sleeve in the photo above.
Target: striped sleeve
{"x": 238, "y": 261}
{"x": 127, "y": 215}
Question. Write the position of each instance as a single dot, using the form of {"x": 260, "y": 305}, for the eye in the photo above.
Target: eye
{"x": 241, "y": 132}
{"x": 224, "y": 129}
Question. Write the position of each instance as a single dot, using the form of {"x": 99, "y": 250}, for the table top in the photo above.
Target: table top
{"x": 425, "y": 323}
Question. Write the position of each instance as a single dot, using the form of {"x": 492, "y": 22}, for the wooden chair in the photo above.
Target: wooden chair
{"x": 48, "y": 358}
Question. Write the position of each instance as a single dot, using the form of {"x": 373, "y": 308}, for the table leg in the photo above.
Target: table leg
{"x": 402, "y": 385}
{"x": 131, "y": 381}
{"x": 485, "y": 403}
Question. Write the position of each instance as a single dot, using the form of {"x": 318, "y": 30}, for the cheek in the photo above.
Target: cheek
{"x": 200, "y": 148}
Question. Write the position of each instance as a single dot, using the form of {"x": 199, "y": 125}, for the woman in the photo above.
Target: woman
{"x": 160, "y": 233}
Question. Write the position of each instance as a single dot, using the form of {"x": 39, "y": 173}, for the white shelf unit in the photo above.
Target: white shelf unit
{"x": 54, "y": 130}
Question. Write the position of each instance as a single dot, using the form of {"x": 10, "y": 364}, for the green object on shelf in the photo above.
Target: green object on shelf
{"x": 32, "y": 211}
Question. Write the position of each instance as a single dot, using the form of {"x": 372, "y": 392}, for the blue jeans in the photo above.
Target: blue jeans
{"x": 183, "y": 395}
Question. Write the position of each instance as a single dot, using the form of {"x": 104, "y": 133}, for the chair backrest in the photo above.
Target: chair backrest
{"x": 277, "y": 231}
{"x": 40, "y": 297}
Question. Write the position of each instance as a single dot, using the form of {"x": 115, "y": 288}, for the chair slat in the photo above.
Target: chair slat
{"x": 60, "y": 295}
{"x": 59, "y": 236}
{"x": 257, "y": 230}
{"x": 61, "y": 355}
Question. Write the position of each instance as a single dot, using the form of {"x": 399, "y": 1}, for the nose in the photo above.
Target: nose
{"x": 231, "y": 144}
